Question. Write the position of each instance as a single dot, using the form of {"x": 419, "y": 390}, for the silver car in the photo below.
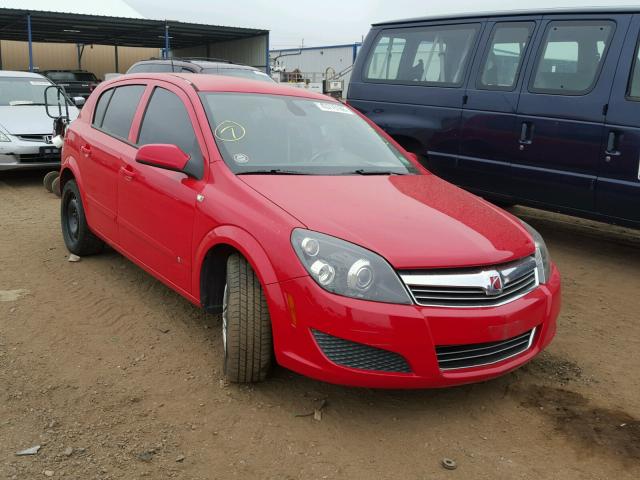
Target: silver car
{"x": 25, "y": 128}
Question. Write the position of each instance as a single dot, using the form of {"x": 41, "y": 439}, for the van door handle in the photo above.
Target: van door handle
{"x": 613, "y": 144}
{"x": 128, "y": 173}
{"x": 85, "y": 150}
{"x": 526, "y": 134}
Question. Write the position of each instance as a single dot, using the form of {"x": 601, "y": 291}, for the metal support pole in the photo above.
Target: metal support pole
{"x": 267, "y": 67}
{"x": 116, "y": 58}
{"x": 30, "y": 42}
{"x": 166, "y": 40}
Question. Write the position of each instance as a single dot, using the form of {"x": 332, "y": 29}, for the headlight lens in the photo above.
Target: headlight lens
{"x": 346, "y": 269}
{"x": 4, "y": 137}
{"x": 543, "y": 260}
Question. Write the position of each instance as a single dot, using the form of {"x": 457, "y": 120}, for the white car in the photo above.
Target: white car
{"x": 25, "y": 128}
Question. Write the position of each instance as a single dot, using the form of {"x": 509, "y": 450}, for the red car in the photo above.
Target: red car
{"x": 326, "y": 247}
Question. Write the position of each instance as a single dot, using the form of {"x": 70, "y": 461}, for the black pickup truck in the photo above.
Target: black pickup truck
{"x": 77, "y": 83}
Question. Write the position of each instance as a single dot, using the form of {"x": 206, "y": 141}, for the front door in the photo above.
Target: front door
{"x": 156, "y": 207}
{"x": 618, "y": 188}
{"x": 561, "y": 111}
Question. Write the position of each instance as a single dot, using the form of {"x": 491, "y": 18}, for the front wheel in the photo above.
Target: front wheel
{"x": 246, "y": 325}
{"x": 75, "y": 229}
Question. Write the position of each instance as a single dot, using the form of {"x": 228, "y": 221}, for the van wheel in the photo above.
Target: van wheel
{"x": 246, "y": 325}
{"x": 48, "y": 180}
{"x": 75, "y": 230}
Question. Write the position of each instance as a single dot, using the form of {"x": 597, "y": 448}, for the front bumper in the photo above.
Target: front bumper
{"x": 23, "y": 155}
{"x": 299, "y": 307}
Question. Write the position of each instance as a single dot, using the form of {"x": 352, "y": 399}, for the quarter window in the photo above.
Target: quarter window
{"x": 504, "y": 58}
{"x": 120, "y": 110}
{"x": 428, "y": 55}
{"x": 572, "y": 57}
{"x": 166, "y": 120}
{"x": 101, "y": 107}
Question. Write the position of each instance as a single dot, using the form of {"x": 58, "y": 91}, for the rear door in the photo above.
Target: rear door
{"x": 618, "y": 188}
{"x": 102, "y": 148}
{"x": 489, "y": 135}
{"x": 156, "y": 207}
{"x": 561, "y": 110}
{"x": 412, "y": 85}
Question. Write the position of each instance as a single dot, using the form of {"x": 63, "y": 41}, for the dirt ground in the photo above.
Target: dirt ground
{"x": 117, "y": 377}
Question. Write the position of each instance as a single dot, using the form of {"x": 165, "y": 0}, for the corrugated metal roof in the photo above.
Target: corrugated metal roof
{"x": 107, "y": 8}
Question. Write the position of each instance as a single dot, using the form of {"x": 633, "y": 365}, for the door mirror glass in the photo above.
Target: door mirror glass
{"x": 165, "y": 156}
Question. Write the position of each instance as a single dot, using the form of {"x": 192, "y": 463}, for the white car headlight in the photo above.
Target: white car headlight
{"x": 543, "y": 260}
{"x": 346, "y": 269}
{"x": 4, "y": 137}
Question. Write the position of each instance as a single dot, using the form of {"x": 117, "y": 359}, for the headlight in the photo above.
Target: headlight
{"x": 346, "y": 269}
{"x": 543, "y": 260}
{"x": 4, "y": 137}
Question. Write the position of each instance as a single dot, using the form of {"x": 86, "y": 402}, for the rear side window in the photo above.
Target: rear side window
{"x": 504, "y": 58}
{"x": 119, "y": 110}
{"x": 101, "y": 107}
{"x": 634, "y": 82}
{"x": 436, "y": 55}
{"x": 166, "y": 120}
{"x": 571, "y": 57}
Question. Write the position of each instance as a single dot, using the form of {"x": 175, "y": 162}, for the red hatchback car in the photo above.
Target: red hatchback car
{"x": 325, "y": 246}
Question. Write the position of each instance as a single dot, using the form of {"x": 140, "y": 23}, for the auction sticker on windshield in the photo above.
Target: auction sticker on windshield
{"x": 333, "y": 107}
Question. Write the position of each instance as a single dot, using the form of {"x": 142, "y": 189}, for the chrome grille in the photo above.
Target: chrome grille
{"x": 473, "y": 287}
{"x": 35, "y": 138}
{"x": 452, "y": 357}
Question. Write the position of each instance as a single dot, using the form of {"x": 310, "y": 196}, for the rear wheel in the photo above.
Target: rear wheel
{"x": 246, "y": 325}
{"x": 48, "y": 180}
{"x": 75, "y": 230}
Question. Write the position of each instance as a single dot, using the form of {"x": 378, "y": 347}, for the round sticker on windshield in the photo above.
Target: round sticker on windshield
{"x": 241, "y": 158}
{"x": 229, "y": 131}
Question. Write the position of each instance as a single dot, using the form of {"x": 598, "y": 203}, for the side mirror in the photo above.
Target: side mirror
{"x": 162, "y": 155}
{"x": 78, "y": 101}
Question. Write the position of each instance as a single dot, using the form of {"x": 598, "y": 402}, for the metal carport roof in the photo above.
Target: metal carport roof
{"x": 57, "y": 27}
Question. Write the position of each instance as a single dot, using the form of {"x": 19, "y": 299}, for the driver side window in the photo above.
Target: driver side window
{"x": 166, "y": 120}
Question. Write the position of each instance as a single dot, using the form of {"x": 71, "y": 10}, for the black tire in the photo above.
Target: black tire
{"x": 48, "y": 180}
{"x": 55, "y": 187}
{"x": 246, "y": 325}
{"x": 76, "y": 233}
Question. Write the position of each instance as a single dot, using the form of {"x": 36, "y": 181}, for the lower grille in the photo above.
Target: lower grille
{"x": 360, "y": 356}
{"x": 479, "y": 354}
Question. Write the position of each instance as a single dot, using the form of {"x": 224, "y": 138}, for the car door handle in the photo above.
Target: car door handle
{"x": 613, "y": 144}
{"x": 85, "y": 150}
{"x": 128, "y": 173}
{"x": 526, "y": 134}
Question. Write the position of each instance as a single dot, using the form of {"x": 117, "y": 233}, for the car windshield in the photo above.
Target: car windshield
{"x": 72, "y": 77}
{"x": 239, "y": 72}
{"x": 16, "y": 91}
{"x": 277, "y": 134}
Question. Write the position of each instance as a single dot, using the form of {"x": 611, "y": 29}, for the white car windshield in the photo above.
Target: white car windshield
{"x": 15, "y": 91}
{"x": 277, "y": 134}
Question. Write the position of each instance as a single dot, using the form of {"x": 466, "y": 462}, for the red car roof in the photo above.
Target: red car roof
{"x": 224, "y": 83}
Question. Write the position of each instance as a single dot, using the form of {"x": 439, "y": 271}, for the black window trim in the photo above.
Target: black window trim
{"x": 112, "y": 135}
{"x": 516, "y": 80}
{"x": 478, "y": 23}
{"x": 635, "y": 63}
{"x": 540, "y": 53}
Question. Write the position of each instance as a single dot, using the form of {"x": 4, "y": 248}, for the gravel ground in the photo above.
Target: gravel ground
{"x": 117, "y": 377}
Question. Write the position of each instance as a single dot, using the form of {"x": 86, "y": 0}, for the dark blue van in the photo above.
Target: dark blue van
{"x": 539, "y": 109}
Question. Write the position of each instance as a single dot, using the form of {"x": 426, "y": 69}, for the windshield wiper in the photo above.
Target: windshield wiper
{"x": 272, "y": 171}
{"x": 361, "y": 171}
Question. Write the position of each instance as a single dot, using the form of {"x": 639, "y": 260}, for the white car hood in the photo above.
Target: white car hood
{"x": 30, "y": 119}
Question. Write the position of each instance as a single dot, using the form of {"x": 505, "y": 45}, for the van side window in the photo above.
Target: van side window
{"x": 436, "y": 55}
{"x": 504, "y": 58}
{"x": 634, "y": 81}
{"x": 121, "y": 109}
{"x": 571, "y": 57}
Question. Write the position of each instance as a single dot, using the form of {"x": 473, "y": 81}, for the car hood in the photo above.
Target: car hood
{"x": 29, "y": 119}
{"x": 414, "y": 221}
